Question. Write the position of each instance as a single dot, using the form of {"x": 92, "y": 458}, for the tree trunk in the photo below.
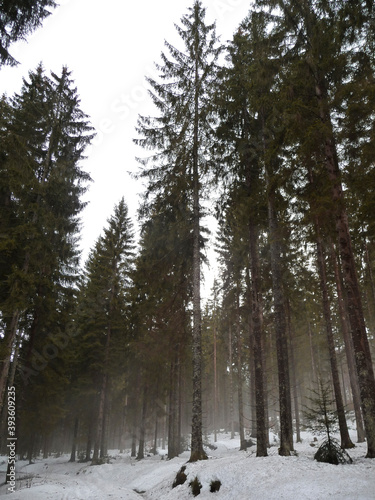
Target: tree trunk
{"x": 231, "y": 395}
{"x": 164, "y": 428}
{"x": 258, "y": 355}
{"x": 142, "y": 430}
{"x": 294, "y": 378}
{"x": 6, "y": 352}
{"x": 215, "y": 387}
{"x": 74, "y": 443}
{"x": 250, "y": 333}
{"x": 89, "y": 441}
{"x": 286, "y": 425}
{"x": 348, "y": 351}
{"x": 180, "y": 394}
{"x": 99, "y": 423}
{"x": 104, "y": 435}
{"x": 197, "y": 451}
{"x": 253, "y": 418}
{"x": 312, "y": 355}
{"x": 155, "y": 446}
{"x": 46, "y": 444}
{"x": 243, "y": 445}
{"x": 123, "y": 422}
{"x": 173, "y": 435}
{"x": 372, "y": 285}
{"x": 4, "y": 410}
{"x": 30, "y": 449}
{"x": 133, "y": 452}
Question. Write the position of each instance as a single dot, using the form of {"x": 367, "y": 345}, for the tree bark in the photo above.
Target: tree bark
{"x": 89, "y": 442}
{"x": 286, "y": 425}
{"x": 99, "y": 422}
{"x": 102, "y": 400}
{"x": 312, "y": 355}
{"x": 155, "y": 446}
{"x": 231, "y": 392}
{"x": 348, "y": 351}
{"x": 142, "y": 430}
{"x": 173, "y": 434}
{"x": 74, "y": 443}
{"x": 215, "y": 386}
{"x": 250, "y": 327}
{"x": 243, "y": 445}
{"x": 371, "y": 279}
{"x": 6, "y": 351}
{"x": 258, "y": 355}
{"x": 104, "y": 434}
{"x": 197, "y": 451}
{"x": 294, "y": 377}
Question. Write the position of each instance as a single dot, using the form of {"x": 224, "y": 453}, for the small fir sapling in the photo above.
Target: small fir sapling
{"x": 321, "y": 418}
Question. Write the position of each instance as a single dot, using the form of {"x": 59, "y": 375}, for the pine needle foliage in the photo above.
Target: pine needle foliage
{"x": 18, "y": 19}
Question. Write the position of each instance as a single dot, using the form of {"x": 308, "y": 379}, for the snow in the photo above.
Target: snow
{"x": 243, "y": 476}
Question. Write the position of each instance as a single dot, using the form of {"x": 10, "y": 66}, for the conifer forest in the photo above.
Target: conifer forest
{"x": 269, "y": 138}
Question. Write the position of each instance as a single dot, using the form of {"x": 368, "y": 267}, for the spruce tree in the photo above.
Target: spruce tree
{"x": 325, "y": 45}
{"x": 257, "y": 134}
{"x": 181, "y": 137}
{"x": 103, "y": 310}
{"x": 18, "y": 19}
{"x": 161, "y": 296}
{"x": 43, "y": 181}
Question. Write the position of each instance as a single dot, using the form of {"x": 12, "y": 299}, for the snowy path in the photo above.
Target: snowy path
{"x": 243, "y": 477}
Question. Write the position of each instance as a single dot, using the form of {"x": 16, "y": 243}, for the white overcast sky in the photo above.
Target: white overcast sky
{"x": 110, "y": 47}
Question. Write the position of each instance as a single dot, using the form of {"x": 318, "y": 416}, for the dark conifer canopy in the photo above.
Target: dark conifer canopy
{"x": 19, "y": 18}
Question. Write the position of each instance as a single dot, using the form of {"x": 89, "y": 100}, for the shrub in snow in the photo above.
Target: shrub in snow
{"x": 195, "y": 486}
{"x": 180, "y": 477}
{"x": 330, "y": 452}
{"x": 215, "y": 485}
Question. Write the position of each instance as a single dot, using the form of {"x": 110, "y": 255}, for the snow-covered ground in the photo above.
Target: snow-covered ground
{"x": 242, "y": 476}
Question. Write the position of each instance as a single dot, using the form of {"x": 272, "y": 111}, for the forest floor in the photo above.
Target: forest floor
{"x": 242, "y": 476}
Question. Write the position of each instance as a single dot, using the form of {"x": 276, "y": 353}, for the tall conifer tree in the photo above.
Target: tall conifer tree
{"x": 237, "y": 133}
{"x": 44, "y": 143}
{"x": 257, "y": 135}
{"x": 324, "y": 43}
{"x": 103, "y": 316}
{"x": 181, "y": 137}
